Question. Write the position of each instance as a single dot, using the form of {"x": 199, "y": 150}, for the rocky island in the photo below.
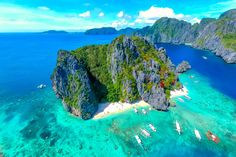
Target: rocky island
{"x": 110, "y": 31}
{"x": 127, "y": 70}
{"x": 55, "y": 32}
{"x": 216, "y": 35}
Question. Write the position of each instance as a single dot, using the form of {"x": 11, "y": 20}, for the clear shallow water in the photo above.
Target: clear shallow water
{"x": 220, "y": 74}
{"x": 34, "y": 123}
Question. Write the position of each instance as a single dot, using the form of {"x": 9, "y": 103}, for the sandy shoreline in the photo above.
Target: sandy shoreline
{"x": 181, "y": 92}
{"x": 106, "y": 109}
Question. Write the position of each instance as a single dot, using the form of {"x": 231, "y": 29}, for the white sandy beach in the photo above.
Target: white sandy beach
{"x": 106, "y": 109}
{"x": 181, "y": 92}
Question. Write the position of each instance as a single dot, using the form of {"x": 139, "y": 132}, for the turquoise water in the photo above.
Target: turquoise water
{"x": 34, "y": 123}
{"x": 37, "y": 125}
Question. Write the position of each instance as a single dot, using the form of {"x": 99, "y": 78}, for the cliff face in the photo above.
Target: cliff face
{"x": 168, "y": 30}
{"x": 71, "y": 83}
{"x": 217, "y": 35}
{"x": 220, "y": 37}
{"x": 128, "y": 69}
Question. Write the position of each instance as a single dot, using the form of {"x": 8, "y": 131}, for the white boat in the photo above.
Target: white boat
{"x": 152, "y": 127}
{"x": 150, "y": 108}
{"x": 180, "y": 99}
{"x": 177, "y": 127}
{"x": 135, "y": 110}
{"x": 187, "y": 97}
{"x": 191, "y": 76}
{"x": 204, "y": 57}
{"x": 138, "y": 139}
{"x": 41, "y": 86}
{"x": 144, "y": 111}
{"x": 188, "y": 44}
{"x": 197, "y": 134}
{"x": 145, "y": 132}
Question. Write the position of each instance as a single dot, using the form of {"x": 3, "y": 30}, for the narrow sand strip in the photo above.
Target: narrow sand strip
{"x": 181, "y": 92}
{"x": 106, "y": 109}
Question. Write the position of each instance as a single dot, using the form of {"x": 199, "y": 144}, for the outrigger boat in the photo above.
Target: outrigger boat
{"x": 41, "y": 86}
{"x": 177, "y": 127}
{"x": 145, "y": 132}
{"x": 135, "y": 110}
{"x": 191, "y": 76}
{"x": 204, "y": 57}
{"x": 152, "y": 127}
{"x": 144, "y": 111}
{"x": 180, "y": 99}
{"x": 212, "y": 137}
{"x": 138, "y": 139}
{"x": 187, "y": 97}
{"x": 197, "y": 134}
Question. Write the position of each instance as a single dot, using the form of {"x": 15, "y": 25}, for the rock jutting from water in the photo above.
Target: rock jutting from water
{"x": 127, "y": 70}
{"x": 183, "y": 67}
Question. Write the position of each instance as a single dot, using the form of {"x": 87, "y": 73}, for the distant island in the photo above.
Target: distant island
{"x": 110, "y": 31}
{"x": 127, "y": 70}
{"x": 216, "y": 35}
{"x": 54, "y": 32}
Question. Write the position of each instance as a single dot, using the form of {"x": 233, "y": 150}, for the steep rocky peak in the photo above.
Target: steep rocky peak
{"x": 229, "y": 14}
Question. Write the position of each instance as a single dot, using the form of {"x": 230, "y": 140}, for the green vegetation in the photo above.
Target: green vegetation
{"x": 97, "y": 59}
{"x": 73, "y": 87}
{"x": 229, "y": 41}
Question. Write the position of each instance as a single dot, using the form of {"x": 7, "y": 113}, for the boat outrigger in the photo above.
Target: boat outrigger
{"x": 152, "y": 127}
{"x": 144, "y": 111}
{"x": 180, "y": 99}
{"x": 177, "y": 127}
{"x": 145, "y": 132}
{"x": 197, "y": 134}
{"x": 212, "y": 137}
{"x": 138, "y": 139}
{"x": 187, "y": 97}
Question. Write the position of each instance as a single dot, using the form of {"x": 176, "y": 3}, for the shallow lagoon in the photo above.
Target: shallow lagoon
{"x": 34, "y": 123}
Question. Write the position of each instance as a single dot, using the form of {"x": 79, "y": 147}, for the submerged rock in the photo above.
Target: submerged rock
{"x": 45, "y": 134}
{"x": 183, "y": 67}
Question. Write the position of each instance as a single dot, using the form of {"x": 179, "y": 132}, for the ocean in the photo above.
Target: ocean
{"x": 33, "y": 122}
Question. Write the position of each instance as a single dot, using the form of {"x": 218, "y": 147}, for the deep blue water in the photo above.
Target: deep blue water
{"x": 222, "y": 76}
{"x": 28, "y": 59}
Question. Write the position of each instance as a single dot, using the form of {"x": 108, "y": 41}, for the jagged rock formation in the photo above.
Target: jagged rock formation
{"x": 70, "y": 80}
{"x": 128, "y": 69}
{"x": 217, "y": 35}
{"x": 183, "y": 67}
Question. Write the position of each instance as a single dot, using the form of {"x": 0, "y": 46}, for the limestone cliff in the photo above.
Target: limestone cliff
{"x": 128, "y": 69}
{"x": 216, "y": 35}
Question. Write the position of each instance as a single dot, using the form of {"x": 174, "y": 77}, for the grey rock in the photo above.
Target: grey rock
{"x": 70, "y": 77}
{"x": 183, "y": 67}
{"x": 122, "y": 52}
{"x": 207, "y": 35}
